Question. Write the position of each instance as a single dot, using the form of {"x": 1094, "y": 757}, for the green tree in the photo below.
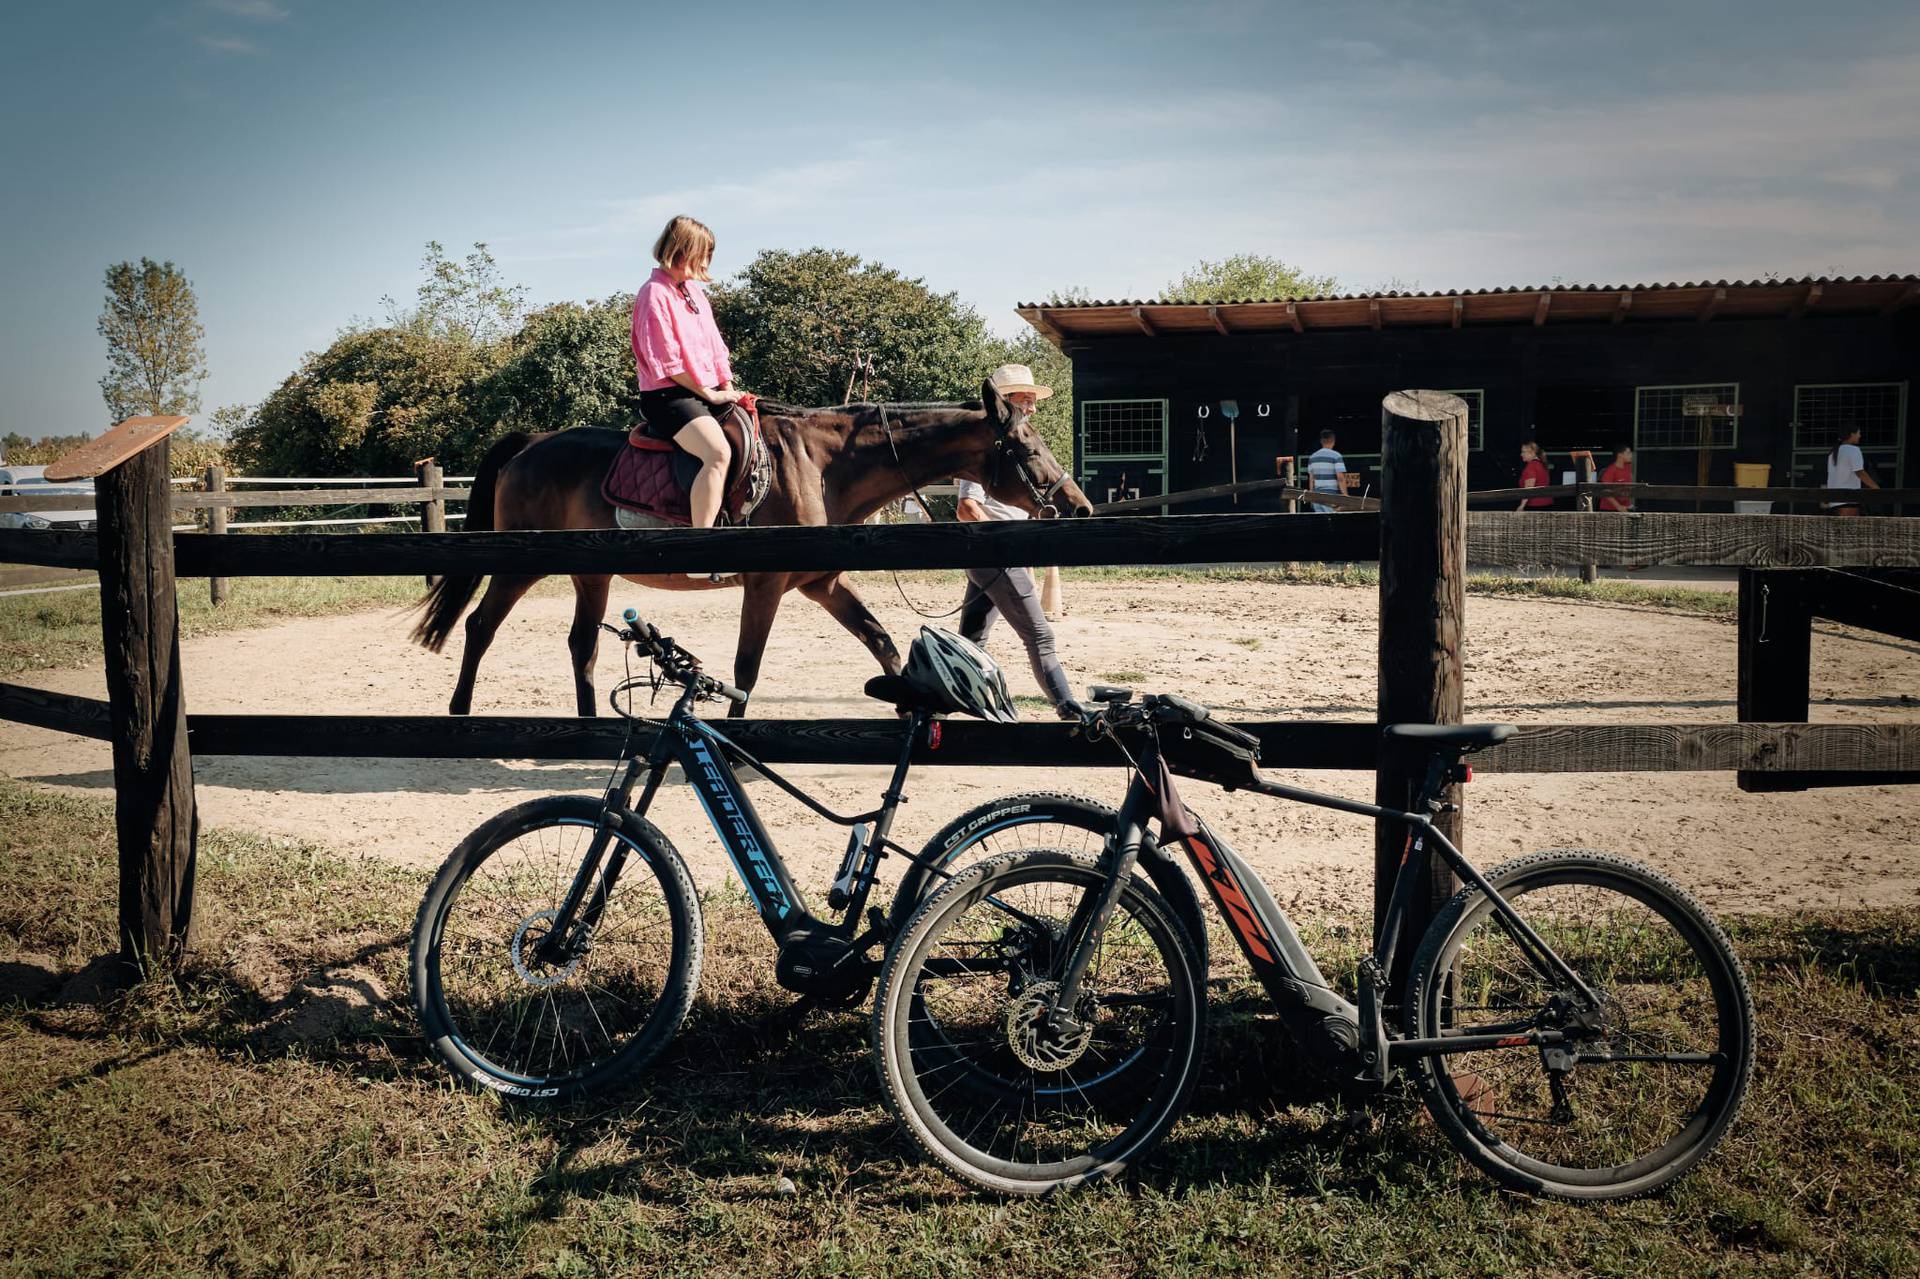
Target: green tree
{"x": 1246, "y": 277}
{"x": 464, "y": 301}
{"x": 569, "y": 365}
{"x": 821, "y": 326}
{"x": 152, "y": 327}
{"x": 372, "y": 403}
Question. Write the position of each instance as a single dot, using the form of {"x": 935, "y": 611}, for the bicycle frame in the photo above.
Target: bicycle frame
{"x": 708, "y": 759}
{"x": 1320, "y": 1018}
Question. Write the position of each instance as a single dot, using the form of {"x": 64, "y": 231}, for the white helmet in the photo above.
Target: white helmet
{"x": 957, "y": 672}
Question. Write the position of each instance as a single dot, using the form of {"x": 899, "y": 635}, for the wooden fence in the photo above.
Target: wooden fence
{"x": 1422, "y": 538}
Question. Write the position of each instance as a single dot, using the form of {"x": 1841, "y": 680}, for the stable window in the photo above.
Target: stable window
{"x": 1822, "y": 410}
{"x": 1476, "y": 408}
{"x": 1123, "y": 429}
{"x": 1704, "y": 416}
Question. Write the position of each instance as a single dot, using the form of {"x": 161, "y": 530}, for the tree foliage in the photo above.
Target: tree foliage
{"x": 1246, "y": 277}
{"x": 152, "y": 326}
{"x": 462, "y": 301}
{"x": 569, "y": 365}
{"x": 821, "y": 327}
{"x": 372, "y": 403}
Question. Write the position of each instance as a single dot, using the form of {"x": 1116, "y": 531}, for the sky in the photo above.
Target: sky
{"x": 294, "y": 156}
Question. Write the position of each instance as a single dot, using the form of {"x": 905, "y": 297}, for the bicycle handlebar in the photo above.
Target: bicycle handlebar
{"x": 676, "y": 664}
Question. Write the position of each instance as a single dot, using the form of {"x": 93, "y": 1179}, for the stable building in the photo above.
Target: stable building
{"x": 1696, "y": 377}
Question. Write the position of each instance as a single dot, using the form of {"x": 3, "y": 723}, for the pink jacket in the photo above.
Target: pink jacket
{"x": 670, "y": 337}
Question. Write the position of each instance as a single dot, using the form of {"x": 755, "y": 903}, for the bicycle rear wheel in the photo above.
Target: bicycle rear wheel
{"x": 968, "y": 1066}
{"x": 1655, "y": 1064}
{"x": 497, "y": 1011}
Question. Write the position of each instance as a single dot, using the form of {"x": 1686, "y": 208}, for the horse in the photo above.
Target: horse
{"x": 830, "y": 466}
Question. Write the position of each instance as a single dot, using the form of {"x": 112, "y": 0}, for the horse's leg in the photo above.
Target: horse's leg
{"x": 839, "y": 596}
{"x": 763, "y": 591}
{"x": 502, "y": 594}
{"x": 583, "y": 639}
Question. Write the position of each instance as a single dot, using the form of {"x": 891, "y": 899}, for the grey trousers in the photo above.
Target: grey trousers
{"x": 993, "y": 592}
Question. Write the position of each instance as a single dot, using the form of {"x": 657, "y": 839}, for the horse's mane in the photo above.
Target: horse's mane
{"x": 864, "y": 412}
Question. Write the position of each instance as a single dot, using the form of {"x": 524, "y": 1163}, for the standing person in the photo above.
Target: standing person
{"x": 682, "y": 362}
{"x": 1847, "y": 469}
{"x": 1534, "y": 475}
{"x": 1326, "y": 466}
{"x": 992, "y": 592}
{"x": 1619, "y": 471}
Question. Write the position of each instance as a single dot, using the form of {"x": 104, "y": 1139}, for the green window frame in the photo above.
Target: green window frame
{"x": 1476, "y": 398}
{"x": 1880, "y": 410}
{"x": 1660, "y": 424}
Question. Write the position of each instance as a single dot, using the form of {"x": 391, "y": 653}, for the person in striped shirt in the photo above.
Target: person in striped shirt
{"x": 1326, "y": 466}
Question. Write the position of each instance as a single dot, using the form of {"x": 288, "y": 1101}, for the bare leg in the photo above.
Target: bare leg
{"x": 764, "y": 591}
{"x": 839, "y": 596}
{"x": 583, "y": 639}
{"x": 703, "y": 438}
{"x": 502, "y": 594}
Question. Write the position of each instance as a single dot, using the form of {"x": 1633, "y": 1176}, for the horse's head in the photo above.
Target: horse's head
{"x": 1020, "y": 469}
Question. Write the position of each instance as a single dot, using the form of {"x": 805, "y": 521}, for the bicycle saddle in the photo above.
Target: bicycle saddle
{"x": 903, "y": 694}
{"x": 1466, "y": 737}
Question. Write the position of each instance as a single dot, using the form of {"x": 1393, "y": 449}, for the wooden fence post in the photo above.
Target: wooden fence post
{"x": 154, "y": 815}
{"x": 217, "y": 516}
{"x": 1423, "y": 574}
{"x": 1775, "y": 659}
{"x": 433, "y": 511}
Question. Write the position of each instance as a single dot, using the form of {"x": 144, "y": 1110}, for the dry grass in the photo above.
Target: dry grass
{"x": 270, "y": 1112}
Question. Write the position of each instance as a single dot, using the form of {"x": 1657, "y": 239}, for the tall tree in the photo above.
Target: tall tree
{"x": 465, "y": 301}
{"x": 1246, "y": 277}
{"x": 152, "y": 327}
{"x": 569, "y": 365}
{"x": 820, "y": 326}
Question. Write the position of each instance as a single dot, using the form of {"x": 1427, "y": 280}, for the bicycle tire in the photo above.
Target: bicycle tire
{"x": 503, "y": 960}
{"x": 1038, "y": 817}
{"x": 905, "y": 1066}
{"x": 1667, "y": 977}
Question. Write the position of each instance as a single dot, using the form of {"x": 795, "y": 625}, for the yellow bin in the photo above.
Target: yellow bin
{"x": 1752, "y": 475}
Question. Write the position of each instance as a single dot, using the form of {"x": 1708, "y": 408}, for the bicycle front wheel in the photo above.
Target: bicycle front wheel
{"x": 504, "y": 1012}
{"x": 1652, "y": 1047}
{"x": 967, "y": 1061}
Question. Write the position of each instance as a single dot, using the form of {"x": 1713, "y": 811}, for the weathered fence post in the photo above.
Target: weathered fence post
{"x": 217, "y": 517}
{"x": 1775, "y": 657}
{"x": 154, "y": 815}
{"x": 1423, "y": 573}
{"x": 433, "y": 511}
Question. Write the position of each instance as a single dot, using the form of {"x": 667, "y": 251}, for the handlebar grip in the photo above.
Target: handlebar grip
{"x": 729, "y": 692}
{"x": 631, "y": 616}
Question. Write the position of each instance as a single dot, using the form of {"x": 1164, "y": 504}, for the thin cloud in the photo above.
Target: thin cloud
{"x": 257, "y": 10}
{"x": 235, "y": 45}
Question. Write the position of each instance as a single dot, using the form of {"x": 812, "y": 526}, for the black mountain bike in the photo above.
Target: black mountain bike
{"x": 558, "y": 949}
{"x": 1577, "y": 1024}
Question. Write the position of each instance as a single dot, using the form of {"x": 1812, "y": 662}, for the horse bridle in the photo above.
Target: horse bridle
{"x": 1004, "y": 445}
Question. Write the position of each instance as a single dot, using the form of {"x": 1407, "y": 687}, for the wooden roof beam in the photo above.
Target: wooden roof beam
{"x": 1045, "y": 327}
{"x": 1806, "y": 301}
{"x": 1712, "y": 307}
{"x": 1459, "y": 309}
{"x": 1905, "y": 298}
{"x": 1373, "y": 312}
{"x": 1146, "y": 325}
{"x": 1293, "y": 317}
{"x": 1540, "y": 309}
{"x": 1621, "y": 307}
{"x": 1219, "y": 322}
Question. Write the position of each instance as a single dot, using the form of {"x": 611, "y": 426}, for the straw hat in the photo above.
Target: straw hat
{"x": 1009, "y": 379}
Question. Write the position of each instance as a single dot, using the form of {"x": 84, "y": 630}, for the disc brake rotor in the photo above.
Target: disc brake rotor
{"x": 528, "y": 935}
{"x": 1037, "y": 1047}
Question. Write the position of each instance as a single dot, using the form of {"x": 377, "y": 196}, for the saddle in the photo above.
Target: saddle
{"x": 652, "y": 476}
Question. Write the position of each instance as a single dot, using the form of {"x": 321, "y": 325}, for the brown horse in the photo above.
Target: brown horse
{"x": 830, "y": 466}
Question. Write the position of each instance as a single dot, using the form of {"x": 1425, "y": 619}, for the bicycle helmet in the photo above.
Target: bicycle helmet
{"x": 957, "y": 672}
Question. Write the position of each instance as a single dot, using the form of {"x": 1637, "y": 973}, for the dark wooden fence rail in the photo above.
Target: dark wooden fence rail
{"x": 1542, "y": 539}
{"x": 1864, "y": 753}
{"x": 230, "y": 499}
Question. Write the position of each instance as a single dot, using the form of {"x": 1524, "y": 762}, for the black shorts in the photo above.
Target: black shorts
{"x": 669, "y": 409}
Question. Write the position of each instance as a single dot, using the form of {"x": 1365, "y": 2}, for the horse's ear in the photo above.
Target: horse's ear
{"x": 996, "y": 404}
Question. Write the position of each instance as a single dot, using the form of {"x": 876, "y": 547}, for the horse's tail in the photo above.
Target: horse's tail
{"x": 449, "y": 596}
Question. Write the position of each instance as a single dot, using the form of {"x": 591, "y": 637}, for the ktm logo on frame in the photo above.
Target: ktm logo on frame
{"x": 1233, "y": 900}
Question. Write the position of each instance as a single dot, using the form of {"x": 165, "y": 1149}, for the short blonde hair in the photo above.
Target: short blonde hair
{"x": 685, "y": 243}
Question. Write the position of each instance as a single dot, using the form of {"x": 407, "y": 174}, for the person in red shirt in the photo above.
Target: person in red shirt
{"x": 1534, "y": 475}
{"x": 1620, "y": 472}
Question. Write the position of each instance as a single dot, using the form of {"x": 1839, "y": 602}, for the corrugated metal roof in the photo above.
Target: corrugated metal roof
{"x": 1442, "y": 294}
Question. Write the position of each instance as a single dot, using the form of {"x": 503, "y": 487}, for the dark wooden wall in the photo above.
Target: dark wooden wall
{"x": 1530, "y": 375}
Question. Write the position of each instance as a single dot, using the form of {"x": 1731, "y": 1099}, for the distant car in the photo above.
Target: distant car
{"x": 31, "y": 481}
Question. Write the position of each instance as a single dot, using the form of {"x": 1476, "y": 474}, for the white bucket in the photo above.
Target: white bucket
{"x": 1753, "y": 508}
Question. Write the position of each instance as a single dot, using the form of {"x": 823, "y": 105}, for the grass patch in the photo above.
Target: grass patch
{"x": 44, "y": 632}
{"x": 172, "y": 1130}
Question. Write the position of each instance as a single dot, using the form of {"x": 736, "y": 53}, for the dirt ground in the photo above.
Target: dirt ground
{"x": 1263, "y": 649}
